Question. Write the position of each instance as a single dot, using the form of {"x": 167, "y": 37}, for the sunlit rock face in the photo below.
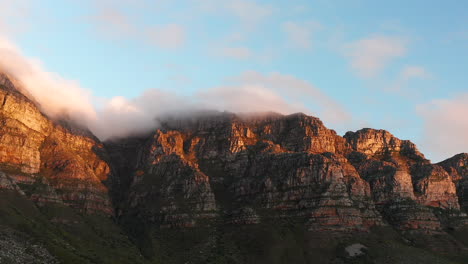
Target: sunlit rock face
{"x": 23, "y": 129}
{"x": 49, "y": 161}
{"x": 216, "y": 169}
{"x": 380, "y": 143}
{"x": 245, "y": 169}
{"x": 402, "y": 181}
{"x": 457, "y": 168}
{"x": 239, "y": 169}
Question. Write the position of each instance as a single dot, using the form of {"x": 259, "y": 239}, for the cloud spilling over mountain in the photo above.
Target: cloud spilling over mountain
{"x": 119, "y": 116}
{"x": 56, "y": 95}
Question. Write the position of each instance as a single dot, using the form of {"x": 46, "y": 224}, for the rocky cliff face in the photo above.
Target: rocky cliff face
{"x": 245, "y": 170}
{"x": 457, "y": 168}
{"x": 220, "y": 170}
{"x": 404, "y": 184}
{"x": 46, "y": 160}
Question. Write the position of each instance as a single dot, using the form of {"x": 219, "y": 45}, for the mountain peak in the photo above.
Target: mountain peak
{"x": 380, "y": 142}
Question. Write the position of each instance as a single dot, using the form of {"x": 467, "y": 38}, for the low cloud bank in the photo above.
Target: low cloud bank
{"x": 56, "y": 96}
{"x": 120, "y": 117}
{"x": 444, "y": 132}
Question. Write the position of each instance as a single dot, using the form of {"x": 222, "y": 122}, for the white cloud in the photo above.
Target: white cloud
{"x": 370, "y": 56}
{"x": 56, "y": 95}
{"x": 300, "y": 34}
{"x": 445, "y": 126}
{"x": 247, "y": 99}
{"x": 249, "y": 92}
{"x": 297, "y": 90}
{"x": 120, "y": 116}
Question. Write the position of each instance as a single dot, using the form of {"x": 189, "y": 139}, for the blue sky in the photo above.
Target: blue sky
{"x": 396, "y": 65}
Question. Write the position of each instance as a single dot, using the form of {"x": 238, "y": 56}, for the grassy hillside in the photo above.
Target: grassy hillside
{"x": 68, "y": 236}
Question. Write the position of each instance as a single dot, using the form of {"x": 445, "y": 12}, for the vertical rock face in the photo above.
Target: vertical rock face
{"x": 49, "y": 161}
{"x": 434, "y": 187}
{"x": 71, "y": 165}
{"x": 403, "y": 182}
{"x": 380, "y": 143}
{"x": 243, "y": 170}
{"x": 215, "y": 175}
{"x": 239, "y": 169}
{"x": 229, "y": 169}
{"x": 457, "y": 168}
{"x": 169, "y": 184}
{"x": 23, "y": 129}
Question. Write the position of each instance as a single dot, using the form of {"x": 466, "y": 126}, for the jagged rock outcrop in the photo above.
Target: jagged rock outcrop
{"x": 381, "y": 143}
{"x": 402, "y": 181}
{"x": 457, "y": 168}
{"x": 232, "y": 168}
{"x": 47, "y": 160}
{"x": 245, "y": 169}
{"x": 223, "y": 167}
{"x": 216, "y": 170}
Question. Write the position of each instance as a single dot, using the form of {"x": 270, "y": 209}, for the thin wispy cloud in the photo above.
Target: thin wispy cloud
{"x": 405, "y": 77}
{"x": 14, "y": 16}
{"x": 419, "y": 72}
{"x": 445, "y": 126}
{"x": 112, "y": 22}
{"x": 118, "y": 116}
{"x": 370, "y": 56}
{"x": 240, "y": 53}
{"x": 298, "y": 90}
{"x": 210, "y": 40}
{"x": 249, "y": 13}
{"x": 57, "y": 96}
{"x": 115, "y": 21}
{"x": 235, "y": 47}
{"x": 247, "y": 93}
{"x": 300, "y": 35}
{"x": 170, "y": 36}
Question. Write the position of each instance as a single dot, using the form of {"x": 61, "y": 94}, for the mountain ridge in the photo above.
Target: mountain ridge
{"x": 206, "y": 183}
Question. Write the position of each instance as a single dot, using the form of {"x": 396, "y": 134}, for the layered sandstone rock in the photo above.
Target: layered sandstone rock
{"x": 457, "y": 168}
{"x": 381, "y": 143}
{"x": 223, "y": 168}
{"x": 51, "y": 162}
{"x": 402, "y": 181}
{"x": 434, "y": 187}
{"x": 239, "y": 169}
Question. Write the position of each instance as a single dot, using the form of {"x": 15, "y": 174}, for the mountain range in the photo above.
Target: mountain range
{"x": 220, "y": 187}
